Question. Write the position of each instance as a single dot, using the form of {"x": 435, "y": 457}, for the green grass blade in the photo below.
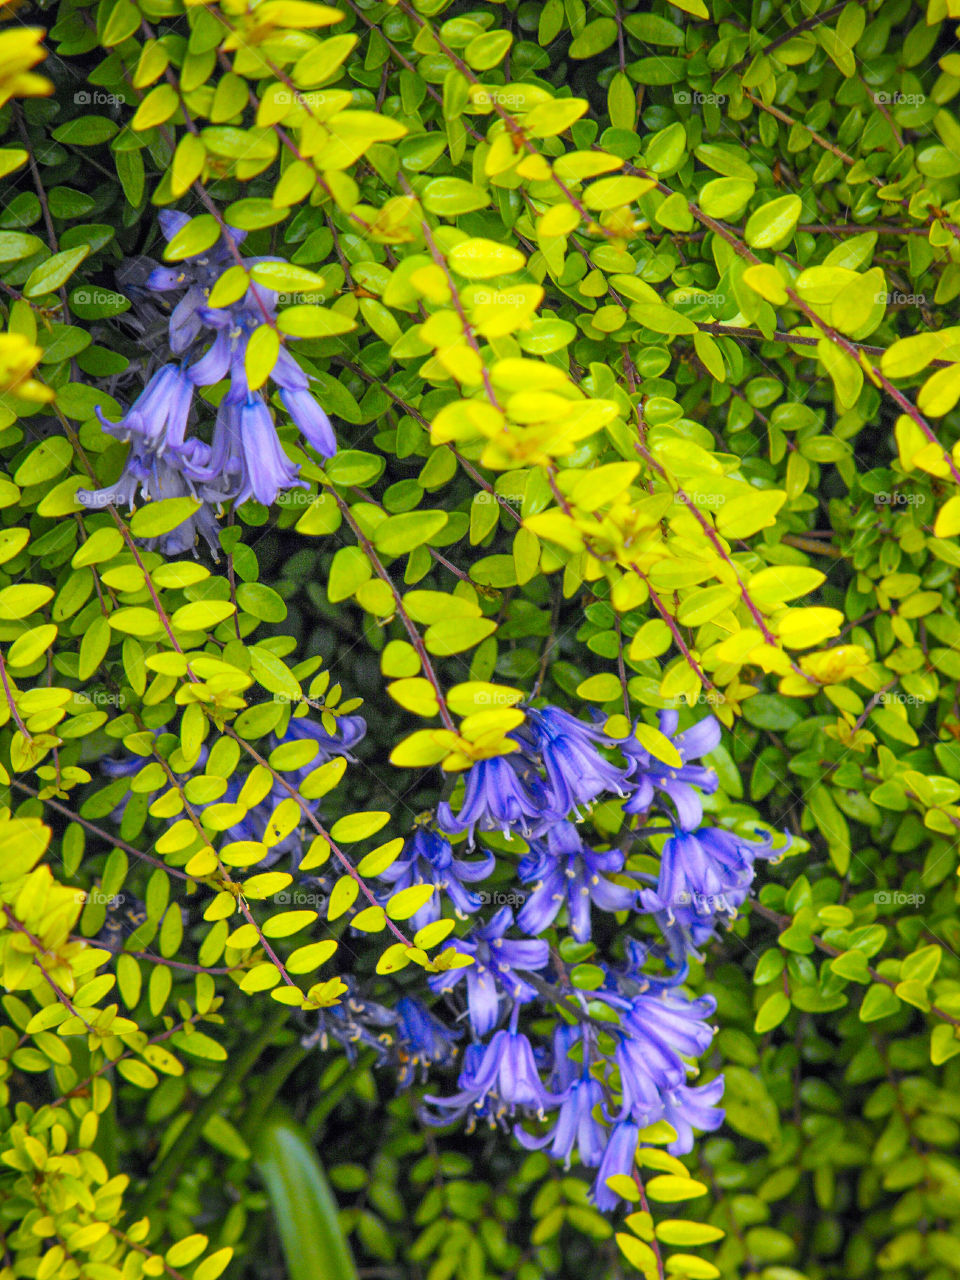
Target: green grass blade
{"x": 303, "y": 1206}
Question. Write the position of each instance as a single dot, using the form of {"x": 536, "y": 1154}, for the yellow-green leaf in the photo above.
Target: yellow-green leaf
{"x": 358, "y": 826}
{"x": 668, "y": 1188}
{"x": 409, "y": 901}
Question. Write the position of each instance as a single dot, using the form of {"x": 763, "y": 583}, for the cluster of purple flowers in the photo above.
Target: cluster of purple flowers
{"x": 245, "y": 458}
{"x": 624, "y": 1056}
{"x": 600, "y": 1082}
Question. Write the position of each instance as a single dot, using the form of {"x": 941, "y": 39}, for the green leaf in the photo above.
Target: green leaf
{"x": 271, "y": 672}
{"x": 157, "y": 518}
{"x": 400, "y": 534}
{"x": 44, "y": 462}
{"x": 253, "y": 214}
{"x": 286, "y": 278}
{"x": 354, "y": 467}
{"x": 21, "y": 600}
{"x": 485, "y": 51}
{"x": 358, "y": 826}
{"x": 596, "y": 36}
{"x": 86, "y": 131}
{"x": 749, "y": 1108}
{"x": 319, "y": 64}
{"x": 665, "y": 150}
{"x": 670, "y": 1188}
{"x": 771, "y": 1013}
{"x": 349, "y": 570}
{"x": 57, "y": 269}
{"x": 772, "y": 225}
{"x": 123, "y": 21}
{"x": 457, "y": 635}
{"x": 199, "y": 234}
{"x": 879, "y": 1002}
{"x": 157, "y": 108}
{"x": 263, "y": 350}
{"x": 449, "y": 197}
{"x": 302, "y": 1204}
{"x": 311, "y": 321}
{"x": 480, "y": 259}
{"x": 18, "y": 244}
{"x": 202, "y": 615}
{"x": 676, "y": 1232}
{"x": 943, "y": 1044}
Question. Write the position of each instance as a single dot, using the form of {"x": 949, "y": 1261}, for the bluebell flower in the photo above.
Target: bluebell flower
{"x": 505, "y": 1076}
{"x": 305, "y": 412}
{"x": 618, "y": 1157}
{"x": 348, "y": 732}
{"x": 214, "y": 364}
{"x": 563, "y": 871}
{"x": 354, "y": 1023}
{"x": 310, "y": 420}
{"x": 578, "y": 1123}
{"x": 246, "y": 456}
{"x": 253, "y": 460}
{"x": 195, "y": 275}
{"x": 422, "y": 1040}
{"x": 168, "y": 482}
{"x": 576, "y": 771}
{"x": 683, "y": 786}
{"x": 500, "y": 794}
{"x": 494, "y": 972}
{"x": 246, "y": 459}
{"x": 482, "y": 1107}
{"x": 704, "y": 874}
{"x": 152, "y": 476}
{"x": 628, "y": 978}
{"x": 427, "y": 858}
{"x": 690, "y": 1107}
{"x": 658, "y": 1032}
{"x": 158, "y": 416}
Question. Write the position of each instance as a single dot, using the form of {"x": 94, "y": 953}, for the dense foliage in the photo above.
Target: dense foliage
{"x": 478, "y": 639}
